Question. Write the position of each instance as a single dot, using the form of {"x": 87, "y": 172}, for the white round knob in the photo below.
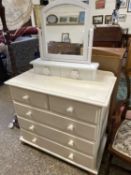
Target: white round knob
{"x": 70, "y": 109}
{"x": 34, "y": 140}
{"x": 71, "y": 143}
{"x": 70, "y": 127}
{"x": 71, "y": 156}
{"x": 32, "y": 127}
{"x": 21, "y": 137}
{"x": 29, "y": 114}
{"x": 25, "y": 97}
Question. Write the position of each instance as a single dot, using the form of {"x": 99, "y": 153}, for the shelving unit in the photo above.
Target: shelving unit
{"x": 65, "y": 24}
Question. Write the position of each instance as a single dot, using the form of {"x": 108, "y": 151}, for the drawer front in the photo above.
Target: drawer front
{"x": 65, "y": 139}
{"x": 73, "y": 127}
{"x": 29, "y": 97}
{"x": 60, "y": 151}
{"x": 77, "y": 110}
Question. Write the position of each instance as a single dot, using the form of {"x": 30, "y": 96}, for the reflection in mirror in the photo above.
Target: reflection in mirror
{"x": 65, "y": 30}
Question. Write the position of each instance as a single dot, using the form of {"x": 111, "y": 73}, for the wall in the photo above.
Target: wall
{"x": 109, "y": 6}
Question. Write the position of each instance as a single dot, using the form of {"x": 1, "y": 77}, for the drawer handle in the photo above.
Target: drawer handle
{"x": 71, "y": 156}
{"x": 21, "y": 137}
{"x": 31, "y": 128}
{"x": 70, "y": 127}
{"x": 71, "y": 143}
{"x": 25, "y": 97}
{"x": 70, "y": 109}
{"x": 29, "y": 114}
{"x": 34, "y": 140}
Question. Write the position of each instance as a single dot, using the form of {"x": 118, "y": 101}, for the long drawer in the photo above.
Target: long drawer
{"x": 58, "y": 150}
{"x": 77, "y": 110}
{"x": 68, "y": 140}
{"x": 80, "y": 129}
{"x": 29, "y": 97}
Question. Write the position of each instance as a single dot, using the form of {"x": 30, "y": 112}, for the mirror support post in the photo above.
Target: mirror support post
{"x": 91, "y": 34}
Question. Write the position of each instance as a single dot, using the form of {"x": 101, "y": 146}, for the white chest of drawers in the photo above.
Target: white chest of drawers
{"x": 66, "y": 118}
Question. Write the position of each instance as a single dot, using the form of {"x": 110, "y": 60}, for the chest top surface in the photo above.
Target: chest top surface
{"x": 96, "y": 92}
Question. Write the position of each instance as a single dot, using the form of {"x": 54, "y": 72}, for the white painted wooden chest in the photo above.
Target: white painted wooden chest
{"x": 64, "y": 117}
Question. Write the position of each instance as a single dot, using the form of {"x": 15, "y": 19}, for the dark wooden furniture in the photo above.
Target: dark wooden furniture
{"x": 64, "y": 48}
{"x": 108, "y": 36}
{"x": 128, "y": 63}
{"x": 3, "y": 73}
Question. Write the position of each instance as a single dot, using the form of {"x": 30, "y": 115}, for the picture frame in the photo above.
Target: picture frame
{"x": 108, "y": 19}
{"x": 122, "y": 17}
{"x": 98, "y": 19}
{"x": 52, "y": 19}
{"x": 65, "y": 37}
{"x": 73, "y": 19}
{"x": 100, "y": 4}
{"x": 63, "y": 19}
{"x": 82, "y": 17}
{"x": 123, "y": 4}
{"x": 129, "y": 6}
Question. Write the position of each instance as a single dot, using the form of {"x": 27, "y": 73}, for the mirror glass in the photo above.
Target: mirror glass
{"x": 64, "y": 30}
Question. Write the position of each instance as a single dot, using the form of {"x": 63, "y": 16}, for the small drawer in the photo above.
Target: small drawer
{"x": 62, "y": 138}
{"x": 36, "y": 99}
{"x": 77, "y": 110}
{"x": 80, "y": 129}
{"x": 59, "y": 151}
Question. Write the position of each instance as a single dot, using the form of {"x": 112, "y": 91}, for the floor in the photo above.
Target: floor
{"x": 19, "y": 159}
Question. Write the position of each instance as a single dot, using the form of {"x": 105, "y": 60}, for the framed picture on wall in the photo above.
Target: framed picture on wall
{"x": 123, "y": 4}
{"x": 82, "y": 17}
{"x": 98, "y": 19}
{"x": 73, "y": 19}
{"x": 108, "y": 19}
{"x": 129, "y": 6}
{"x": 100, "y": 4}
{"x": 122, "y": 17}
{"x": 63, "y": 19}
{"x": 65, "y": 37}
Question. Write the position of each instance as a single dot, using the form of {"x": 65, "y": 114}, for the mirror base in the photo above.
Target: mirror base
{"x": 68, "y": 70}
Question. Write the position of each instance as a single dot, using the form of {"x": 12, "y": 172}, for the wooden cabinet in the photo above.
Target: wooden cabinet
{"x": 108, "y": 36}
{"x": 110, "y": 59}
{"x": 128, "y": 65}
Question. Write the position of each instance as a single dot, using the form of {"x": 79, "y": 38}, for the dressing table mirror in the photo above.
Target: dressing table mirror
{"x": 62, "y": 26}
{"x": 66, "y": 40}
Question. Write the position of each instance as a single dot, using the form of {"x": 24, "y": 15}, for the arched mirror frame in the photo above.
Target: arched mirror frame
{"x": 87, "y": 39}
